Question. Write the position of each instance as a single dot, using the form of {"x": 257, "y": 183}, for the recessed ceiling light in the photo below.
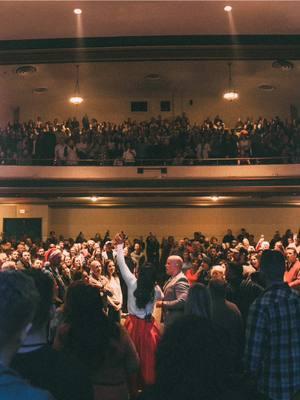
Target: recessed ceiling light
{"x": 214, "y": 198}
{"x": 152, "y": 77}
{"x": 40, "y": 90}
{"x": 77, "y": 11}
{"x": 227, "y": 8}
{"x": 94, "y": 198}
{"x": 26, "y": 70}
{"x": 284, "y": 65}
{"x": 266, "y": 88}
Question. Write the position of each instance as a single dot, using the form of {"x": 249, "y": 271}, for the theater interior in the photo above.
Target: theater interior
{"x": 146, "y": 51}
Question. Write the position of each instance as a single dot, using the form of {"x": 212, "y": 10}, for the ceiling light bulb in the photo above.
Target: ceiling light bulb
{"x": 230, "y": 96}
{"x": 77, "y": 11}
{"x": 76, "y": 100}
{"x": 94, "y": 198}
{"x": 227, "y": 8}
{"x": 214, "y": 198}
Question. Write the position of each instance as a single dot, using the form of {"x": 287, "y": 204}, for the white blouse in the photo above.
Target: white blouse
{"x": 131, "y": 283}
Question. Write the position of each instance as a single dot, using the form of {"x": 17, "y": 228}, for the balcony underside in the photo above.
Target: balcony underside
{"x": 260, "y": 185}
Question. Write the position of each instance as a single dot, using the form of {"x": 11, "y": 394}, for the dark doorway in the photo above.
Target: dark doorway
{"x": 21, "y": 228}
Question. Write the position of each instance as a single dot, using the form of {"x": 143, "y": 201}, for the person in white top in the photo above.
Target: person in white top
{"x": 140, "y": 324}
{"x": 116, "y": 300}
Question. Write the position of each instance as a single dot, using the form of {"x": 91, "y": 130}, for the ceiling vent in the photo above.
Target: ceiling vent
{"x": 40, "y": 90}
{"x": 284, "y": 65}
{"x": 26, "y": 70}
{"x": 152, "y": 77}
{"x": 266, "y": 88}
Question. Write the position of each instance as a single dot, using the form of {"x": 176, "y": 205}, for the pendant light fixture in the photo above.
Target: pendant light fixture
{"x": 76, "y": 99}
{"x": 230, "y": 94}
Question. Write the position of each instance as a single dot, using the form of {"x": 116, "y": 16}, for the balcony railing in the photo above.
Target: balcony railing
{"x": 154, "y": 162}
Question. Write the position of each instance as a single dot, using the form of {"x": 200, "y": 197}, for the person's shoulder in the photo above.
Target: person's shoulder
{"x": 12, "y": 387}
{"x": 31, "y": 393}
{"x": 232, "y": 307}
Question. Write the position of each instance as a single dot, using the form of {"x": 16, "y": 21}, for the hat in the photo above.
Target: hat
{"x": 108, "y": 242}
{"x": 52, "y": 255}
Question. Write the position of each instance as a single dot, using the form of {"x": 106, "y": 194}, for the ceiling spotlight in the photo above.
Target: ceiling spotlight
{"x": 94, "y": 198}
{"x": 214, "y": 198}
{"x": 227, "y": 8}
{"x": 77, "y": 11}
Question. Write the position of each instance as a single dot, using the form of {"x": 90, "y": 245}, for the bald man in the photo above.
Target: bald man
{"x": 175, "y": 290}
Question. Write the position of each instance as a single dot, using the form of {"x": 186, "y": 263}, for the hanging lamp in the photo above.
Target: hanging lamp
{"x": 230, "y": 94}
{"x": 76, "y": 99}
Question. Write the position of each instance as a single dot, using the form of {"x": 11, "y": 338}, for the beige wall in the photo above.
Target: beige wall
{"x": 31, "y": 211}
{"x": 177, "y": 221}
{"x": 117, "y": 109}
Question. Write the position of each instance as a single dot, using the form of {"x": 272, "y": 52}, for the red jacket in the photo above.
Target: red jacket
{"x": 292, "y": 275}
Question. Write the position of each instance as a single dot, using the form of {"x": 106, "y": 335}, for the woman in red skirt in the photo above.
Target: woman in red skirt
{"x": 140, "y": 324}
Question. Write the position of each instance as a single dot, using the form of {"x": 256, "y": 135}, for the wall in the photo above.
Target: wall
{"x": 117, "y": 109}
{"x": 31, "y": 211}
{"x": 177, "y": 221}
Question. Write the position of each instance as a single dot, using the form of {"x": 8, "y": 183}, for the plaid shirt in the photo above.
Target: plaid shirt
{"x": 272, "y": 351}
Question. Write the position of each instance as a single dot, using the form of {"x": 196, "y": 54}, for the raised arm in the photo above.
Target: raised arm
{"x": 127, "y": 275}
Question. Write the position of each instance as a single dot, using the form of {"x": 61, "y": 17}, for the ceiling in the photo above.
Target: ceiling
{"x": 181, "y": 71}
{"x": 55, "y": 19}
{"x": 106, "y": 86}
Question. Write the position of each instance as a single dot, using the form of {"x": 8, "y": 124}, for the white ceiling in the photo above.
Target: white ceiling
{"x": 55, "y": 19}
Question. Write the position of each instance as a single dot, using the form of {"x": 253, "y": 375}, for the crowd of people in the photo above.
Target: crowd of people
{"x": 114, "y": 318}
{"x": 158, "y": 141}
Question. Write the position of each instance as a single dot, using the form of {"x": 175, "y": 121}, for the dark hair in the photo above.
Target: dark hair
{"x": 18, "y": 303}
{"x": 45, "y": 288}
{"x": 272, "y": 265}
{"x": 192, "y": 368}
{"x": 91, "y": 333}
{"x": 144, "y": 292}
{"x": 234, "y": 272}
{"x": 198, "y": 301}
{"x": 217, "y": 288}
{"x": 293, "y": 250}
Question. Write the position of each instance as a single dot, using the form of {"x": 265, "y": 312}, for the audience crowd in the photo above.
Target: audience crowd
{"x": 158, "y": 141}
{"x": 230, "y": 317}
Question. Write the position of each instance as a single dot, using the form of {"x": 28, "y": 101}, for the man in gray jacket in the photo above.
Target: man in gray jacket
{"x": 175, "y": 290}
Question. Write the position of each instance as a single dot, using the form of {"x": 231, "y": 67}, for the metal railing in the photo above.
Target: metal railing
{"x": 153, "y": 162}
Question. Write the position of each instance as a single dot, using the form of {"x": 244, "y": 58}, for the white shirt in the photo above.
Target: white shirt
{"x": 114, "y": 285}
{"x": 131, "y": 283}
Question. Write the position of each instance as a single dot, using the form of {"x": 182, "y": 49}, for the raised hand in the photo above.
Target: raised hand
{"x": 119, "y": 238}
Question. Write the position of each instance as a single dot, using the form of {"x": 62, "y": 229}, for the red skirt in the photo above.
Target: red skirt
{"x": 145, "y": 335}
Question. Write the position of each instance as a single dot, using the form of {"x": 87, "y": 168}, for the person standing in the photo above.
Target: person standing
{"x": 175, "y": 291}
{"x": 35, "y": 355}
{"x": 115, "y": 301}
{"x": 272, "y": 350}
{"x": 292, "y": 272}
{"x": 140, "y": 324}
{"x": 17, "y": 307}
